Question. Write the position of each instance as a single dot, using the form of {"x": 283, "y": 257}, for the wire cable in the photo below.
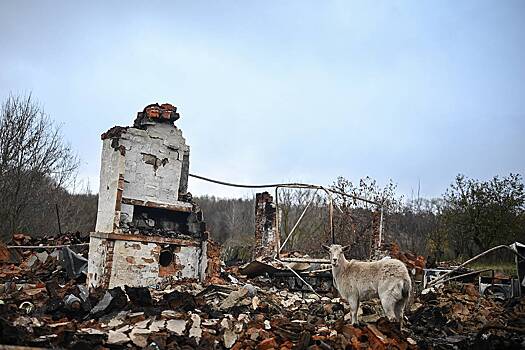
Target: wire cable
{"x": 293, "y": 184}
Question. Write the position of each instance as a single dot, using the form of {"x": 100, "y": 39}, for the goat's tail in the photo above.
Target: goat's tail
{"x": 407, "y": 287}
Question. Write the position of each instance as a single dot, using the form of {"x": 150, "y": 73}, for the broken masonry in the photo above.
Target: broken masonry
{"x": 266, "y": 231}
{"x": 148, "y": 228}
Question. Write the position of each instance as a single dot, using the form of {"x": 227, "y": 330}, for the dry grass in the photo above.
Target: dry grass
{"x": 507, "y": 268}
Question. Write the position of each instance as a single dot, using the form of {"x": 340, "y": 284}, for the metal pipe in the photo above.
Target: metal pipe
{"x": 298, "y": 220}
{"x": 313, "y": 272}
{"x": 466, "y": 274}
{"x": 331, "y": 214}
{"x": 355, "y": 197}
{"x": 380, "y": 228}
{"x": 431, "y": 283}
{"x": 330, "y": 211}
{"x": 306, "y": 260}
{"x": 277, "y": 223}
{"x": 305, "y": 186}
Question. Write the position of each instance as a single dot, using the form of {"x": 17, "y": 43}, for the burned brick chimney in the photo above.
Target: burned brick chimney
{"x": 148, "y": 228}
{"x": 266, "y": 232}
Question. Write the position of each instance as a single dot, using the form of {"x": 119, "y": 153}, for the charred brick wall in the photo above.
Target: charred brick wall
{"x": 266, "y": 231}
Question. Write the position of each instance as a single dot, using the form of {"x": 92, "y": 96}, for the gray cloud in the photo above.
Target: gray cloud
{"x": 276, "y": 92}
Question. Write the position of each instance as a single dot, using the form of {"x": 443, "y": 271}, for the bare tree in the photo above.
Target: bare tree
{"x": 34, "y": 162}
{"x": 228, "y": 219}
{"x": 354, "y": 219}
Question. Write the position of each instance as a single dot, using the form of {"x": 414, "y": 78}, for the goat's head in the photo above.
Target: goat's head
{"x": 336, "y": 253}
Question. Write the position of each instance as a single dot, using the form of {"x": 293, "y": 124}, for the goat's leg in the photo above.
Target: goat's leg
{"x": 354, "y": 307}
{"x": 388, "y": 304}
{"x": 399, "y": 309}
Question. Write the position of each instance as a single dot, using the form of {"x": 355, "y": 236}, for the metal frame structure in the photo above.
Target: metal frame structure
{"x": 283, "y": 261}
{"x": 328, "y": 192}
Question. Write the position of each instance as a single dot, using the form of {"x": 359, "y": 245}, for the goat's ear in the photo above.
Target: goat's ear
{"x": 327, "y": 248}
{"x": 346, "y": 248}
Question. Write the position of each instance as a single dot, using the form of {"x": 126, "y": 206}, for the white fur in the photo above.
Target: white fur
{"x": 356, "y": 281}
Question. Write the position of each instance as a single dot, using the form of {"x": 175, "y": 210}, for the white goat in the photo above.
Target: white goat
{"x": 358, "y": 281}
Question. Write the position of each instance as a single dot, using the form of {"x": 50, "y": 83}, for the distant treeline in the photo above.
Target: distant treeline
{"x": 470, "y": 217}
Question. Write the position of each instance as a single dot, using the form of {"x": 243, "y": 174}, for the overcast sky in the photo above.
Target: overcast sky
{"x": 273, "y": 91}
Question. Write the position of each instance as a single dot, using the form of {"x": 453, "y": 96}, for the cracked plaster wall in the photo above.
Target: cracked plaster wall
{"x": 154, "y": 163}
{"x": 136, "y": 263}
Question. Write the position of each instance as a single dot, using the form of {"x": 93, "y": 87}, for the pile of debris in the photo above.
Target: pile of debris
{"x": 185, "y": 315}
{"x": 242, "y": 313}
{"x": 45, "y": 258}
{"x": 68, "y": 238}
{"x": 457, "y": 315}
{"x": 415, "y": 263}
